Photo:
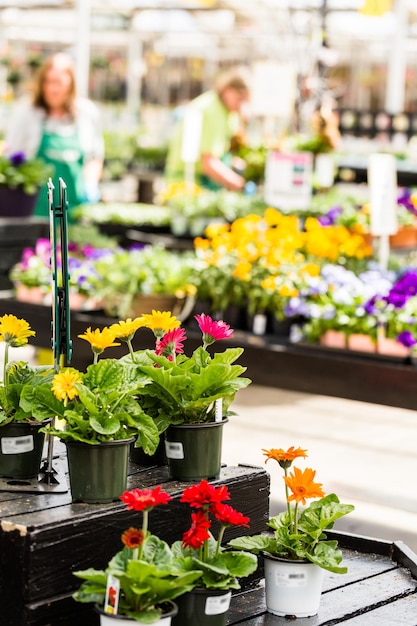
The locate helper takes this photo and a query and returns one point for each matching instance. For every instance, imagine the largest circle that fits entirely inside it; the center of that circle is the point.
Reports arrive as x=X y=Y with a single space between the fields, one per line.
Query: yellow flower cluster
x=178 y=189
x=276 y=241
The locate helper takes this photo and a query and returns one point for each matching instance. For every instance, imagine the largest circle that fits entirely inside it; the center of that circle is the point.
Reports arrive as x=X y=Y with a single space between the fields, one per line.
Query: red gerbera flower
x=204 y=494
x=198 y=533
x=133 y=537
x=171 y=343
x=144 y=499
x=228 y=516
x=212 y=331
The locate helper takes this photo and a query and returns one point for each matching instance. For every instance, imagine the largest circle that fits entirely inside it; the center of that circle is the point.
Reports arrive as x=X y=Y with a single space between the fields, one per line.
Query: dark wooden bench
x=379 y=589
x=44 y=537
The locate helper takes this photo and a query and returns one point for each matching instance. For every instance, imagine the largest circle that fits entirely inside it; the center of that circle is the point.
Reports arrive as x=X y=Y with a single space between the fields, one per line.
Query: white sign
x=289 y=180
x=174 y=450
x=191 y=136
x=17 y=445
x=382 y=184
x=274 y=89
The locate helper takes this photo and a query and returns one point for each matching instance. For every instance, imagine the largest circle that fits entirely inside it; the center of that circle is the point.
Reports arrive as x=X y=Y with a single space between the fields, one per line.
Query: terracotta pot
x=34 y=295
x=333 y=339
x=406 y=237
x=361 y=343
x=392 y=347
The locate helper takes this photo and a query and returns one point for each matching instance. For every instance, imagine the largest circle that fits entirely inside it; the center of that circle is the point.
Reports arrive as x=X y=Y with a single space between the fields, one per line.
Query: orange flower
x=133 y=537
x=302 y=485
x=284 y=457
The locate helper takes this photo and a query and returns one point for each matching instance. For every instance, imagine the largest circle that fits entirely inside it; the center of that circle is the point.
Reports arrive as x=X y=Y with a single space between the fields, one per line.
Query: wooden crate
x=44 y=537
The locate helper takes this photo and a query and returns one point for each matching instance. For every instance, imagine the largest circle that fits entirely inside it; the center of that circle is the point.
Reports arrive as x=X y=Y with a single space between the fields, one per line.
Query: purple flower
x=331 y=216
x=406 y=339
x=17 y=158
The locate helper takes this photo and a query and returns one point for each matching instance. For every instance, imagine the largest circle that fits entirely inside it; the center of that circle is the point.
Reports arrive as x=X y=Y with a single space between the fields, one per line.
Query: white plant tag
x=174 y=450
x=259 y=324
x=17 y=445
x=215 y=605
x=218 y=410
x=290 y=578
x=111 y=602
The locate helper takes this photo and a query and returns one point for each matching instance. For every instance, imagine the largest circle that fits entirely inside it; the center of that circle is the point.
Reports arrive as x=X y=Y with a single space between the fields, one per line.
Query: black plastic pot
x=16 y=203
x=194 y=451
x=203 y=607
x=21 y=447
x=138 y=456
x=98 y=473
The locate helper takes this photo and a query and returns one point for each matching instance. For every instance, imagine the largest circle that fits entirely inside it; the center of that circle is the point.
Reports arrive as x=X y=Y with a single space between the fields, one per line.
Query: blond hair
x=62 y=62
x=234 y=78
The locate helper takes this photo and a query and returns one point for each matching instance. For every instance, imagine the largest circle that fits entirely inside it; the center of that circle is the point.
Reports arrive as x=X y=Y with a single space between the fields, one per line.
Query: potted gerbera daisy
x=189 y=397
x=297 y=551
x=207 y=603
x=21 y=440
x=142 y=580
x=101 y=416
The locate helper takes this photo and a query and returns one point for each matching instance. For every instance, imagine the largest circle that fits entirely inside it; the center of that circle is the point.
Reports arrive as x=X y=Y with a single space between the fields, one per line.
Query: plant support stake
x=61 y=341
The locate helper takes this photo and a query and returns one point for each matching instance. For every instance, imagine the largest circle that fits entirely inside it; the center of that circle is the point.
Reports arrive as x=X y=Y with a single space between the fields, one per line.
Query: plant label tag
x=17 y=445
x=291 y=579
x=174 y=450
x=215 y=605
x=111 y=601
x=218 y=410
x=259 y=324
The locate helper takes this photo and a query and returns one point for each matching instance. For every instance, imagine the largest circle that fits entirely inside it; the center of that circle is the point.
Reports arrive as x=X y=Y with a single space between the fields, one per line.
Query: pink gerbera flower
x=212 y=331
x=171 y=343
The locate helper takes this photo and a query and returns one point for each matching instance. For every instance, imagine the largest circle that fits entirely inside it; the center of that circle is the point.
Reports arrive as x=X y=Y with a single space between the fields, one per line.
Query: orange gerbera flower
x=303 y=486
x=133 y=537
x=284 y=457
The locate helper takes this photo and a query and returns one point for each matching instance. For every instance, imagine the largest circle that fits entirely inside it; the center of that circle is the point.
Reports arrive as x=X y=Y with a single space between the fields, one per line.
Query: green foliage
x=23 y=380
x=106 y=408
x=27 y=174
x=220 y=569
x=145 y=582
x=308 y=542
x=185 y=390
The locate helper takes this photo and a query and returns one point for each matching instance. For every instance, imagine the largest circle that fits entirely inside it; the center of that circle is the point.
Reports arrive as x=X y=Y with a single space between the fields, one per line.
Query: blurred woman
x=61 y=129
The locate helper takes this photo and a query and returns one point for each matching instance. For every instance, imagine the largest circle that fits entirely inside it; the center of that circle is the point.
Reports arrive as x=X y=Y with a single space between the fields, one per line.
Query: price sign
x=289 y=180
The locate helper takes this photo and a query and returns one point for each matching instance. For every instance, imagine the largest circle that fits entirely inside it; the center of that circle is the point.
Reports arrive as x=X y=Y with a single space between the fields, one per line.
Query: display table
x=379 y=588
x=44 y=537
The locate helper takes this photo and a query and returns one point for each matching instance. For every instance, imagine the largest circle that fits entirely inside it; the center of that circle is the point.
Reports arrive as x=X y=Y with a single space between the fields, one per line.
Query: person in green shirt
x=215 y=120
x=62 y=129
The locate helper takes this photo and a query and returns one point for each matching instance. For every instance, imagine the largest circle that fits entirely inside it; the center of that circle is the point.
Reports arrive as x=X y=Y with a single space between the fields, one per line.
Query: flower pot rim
x=213 y=591
x=22 y=423
x=115 y=442
x=283 y=559
x=200 y=424
x=171 y=612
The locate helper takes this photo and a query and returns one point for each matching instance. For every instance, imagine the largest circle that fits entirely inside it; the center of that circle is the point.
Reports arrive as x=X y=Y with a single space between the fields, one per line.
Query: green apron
x=63 y=151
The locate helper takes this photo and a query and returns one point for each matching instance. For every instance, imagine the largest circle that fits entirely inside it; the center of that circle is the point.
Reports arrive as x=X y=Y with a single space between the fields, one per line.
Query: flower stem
x=132 y=354
x=145 y=520
x=220 y=539
x=287 y=495
x=5 y=377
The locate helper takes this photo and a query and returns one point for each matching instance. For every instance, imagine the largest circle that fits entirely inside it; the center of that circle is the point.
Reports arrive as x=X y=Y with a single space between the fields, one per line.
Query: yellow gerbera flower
x=160 y=322
x=14 y=331
x=63 y=384
x=99 y=340
x=302 y=485
x=125 y=329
